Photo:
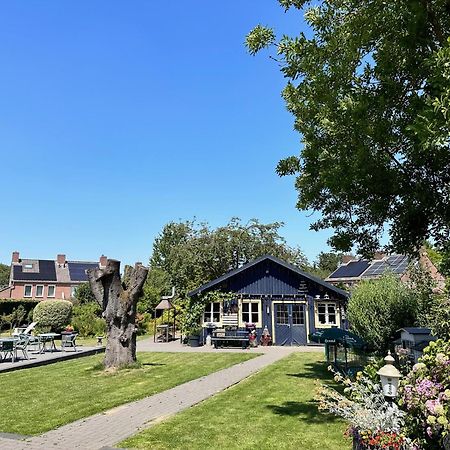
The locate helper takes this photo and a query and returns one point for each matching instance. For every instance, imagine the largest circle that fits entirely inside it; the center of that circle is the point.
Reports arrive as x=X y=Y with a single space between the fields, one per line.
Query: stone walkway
x=105 y=430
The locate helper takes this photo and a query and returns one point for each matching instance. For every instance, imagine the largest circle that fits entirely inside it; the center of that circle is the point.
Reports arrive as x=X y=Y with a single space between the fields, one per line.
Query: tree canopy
x=369 y=89
x=188 y=254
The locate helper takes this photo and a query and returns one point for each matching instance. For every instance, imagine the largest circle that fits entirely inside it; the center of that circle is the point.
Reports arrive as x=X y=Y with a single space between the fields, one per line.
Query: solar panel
x=47 y=272
x=77 y=271
x=352 y=269
x=377 y=268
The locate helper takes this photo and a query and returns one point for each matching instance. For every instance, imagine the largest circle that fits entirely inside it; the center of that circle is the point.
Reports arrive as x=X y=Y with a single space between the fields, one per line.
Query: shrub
x=378 y=308
x=52 y=315
x=84 y=294
x=87 y=321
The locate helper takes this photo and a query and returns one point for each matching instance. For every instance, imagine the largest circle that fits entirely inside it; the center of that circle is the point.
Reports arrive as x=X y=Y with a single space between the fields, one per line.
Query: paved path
x=108 y=428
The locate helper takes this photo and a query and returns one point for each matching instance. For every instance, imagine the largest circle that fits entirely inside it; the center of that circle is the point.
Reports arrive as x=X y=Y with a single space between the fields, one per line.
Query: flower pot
x=194 y=341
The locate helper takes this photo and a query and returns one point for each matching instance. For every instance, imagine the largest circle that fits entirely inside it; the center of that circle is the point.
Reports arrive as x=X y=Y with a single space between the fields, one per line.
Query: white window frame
x=327 y=313
x=48 y=291
x=36 y=291
x=31 y=290
x=208 y=314
x=72 y=291
x=255 y=301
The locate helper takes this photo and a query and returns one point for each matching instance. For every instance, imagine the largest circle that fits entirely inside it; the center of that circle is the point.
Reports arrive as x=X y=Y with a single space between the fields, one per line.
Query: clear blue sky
x=117 y=117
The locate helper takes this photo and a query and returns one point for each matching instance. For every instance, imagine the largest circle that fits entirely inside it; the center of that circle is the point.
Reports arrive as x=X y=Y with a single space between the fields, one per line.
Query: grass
x=272 y=409
x=43 y=398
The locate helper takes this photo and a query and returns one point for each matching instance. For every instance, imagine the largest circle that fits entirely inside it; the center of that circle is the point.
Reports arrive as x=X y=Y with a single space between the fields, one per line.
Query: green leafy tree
x=192 y=253
x=326 y=263
x=369 y=88
x=4 y=275
x=378 y=308
x=84 y=294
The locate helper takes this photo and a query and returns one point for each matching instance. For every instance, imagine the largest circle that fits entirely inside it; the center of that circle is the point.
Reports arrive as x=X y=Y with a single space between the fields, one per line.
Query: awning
x=337 y=336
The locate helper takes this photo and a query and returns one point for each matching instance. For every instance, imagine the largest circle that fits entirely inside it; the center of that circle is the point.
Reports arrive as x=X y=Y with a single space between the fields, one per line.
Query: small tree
x=377 y=308
x=84 y=294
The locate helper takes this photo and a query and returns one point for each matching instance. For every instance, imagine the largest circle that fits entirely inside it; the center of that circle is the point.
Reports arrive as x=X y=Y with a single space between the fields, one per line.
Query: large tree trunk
x=119 y=309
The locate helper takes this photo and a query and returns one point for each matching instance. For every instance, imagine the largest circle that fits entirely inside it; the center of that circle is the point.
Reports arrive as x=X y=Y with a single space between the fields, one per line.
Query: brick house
x=43 y=279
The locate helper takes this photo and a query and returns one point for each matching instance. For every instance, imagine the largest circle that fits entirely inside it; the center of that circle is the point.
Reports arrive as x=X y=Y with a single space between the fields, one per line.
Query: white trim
x=48 y=290
x=288 y=301
x=210 y=313
x=327 y=323
x=36 y=291
x=240 y=311
x=31 y=291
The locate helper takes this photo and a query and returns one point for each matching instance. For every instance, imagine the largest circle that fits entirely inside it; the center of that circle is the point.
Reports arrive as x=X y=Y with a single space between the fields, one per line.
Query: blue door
x=290 y=323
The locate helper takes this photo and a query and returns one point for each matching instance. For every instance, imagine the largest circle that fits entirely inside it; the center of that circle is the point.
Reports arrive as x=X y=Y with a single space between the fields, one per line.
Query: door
x=290 y=323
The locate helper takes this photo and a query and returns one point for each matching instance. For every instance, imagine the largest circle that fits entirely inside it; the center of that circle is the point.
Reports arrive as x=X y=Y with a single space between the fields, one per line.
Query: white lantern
x=390 y=377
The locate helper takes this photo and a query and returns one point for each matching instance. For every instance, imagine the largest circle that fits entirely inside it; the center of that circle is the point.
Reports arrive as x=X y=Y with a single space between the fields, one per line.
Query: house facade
x=43 y=279
x=271 y=293
x=412 y=341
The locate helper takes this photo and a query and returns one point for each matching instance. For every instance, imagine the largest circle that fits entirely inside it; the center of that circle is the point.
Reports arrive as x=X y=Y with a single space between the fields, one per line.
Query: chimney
x=103 y=261
x=15 y=257
x=379 y=255
x=347 y=258
x=61 y=259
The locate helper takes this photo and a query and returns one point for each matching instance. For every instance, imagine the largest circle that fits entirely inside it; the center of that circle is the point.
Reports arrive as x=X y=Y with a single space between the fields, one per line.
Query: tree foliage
x=188 y=254
x=4 y=275
x=84 y=294
x=370 y=93
x=326 y=263
x=378 y=308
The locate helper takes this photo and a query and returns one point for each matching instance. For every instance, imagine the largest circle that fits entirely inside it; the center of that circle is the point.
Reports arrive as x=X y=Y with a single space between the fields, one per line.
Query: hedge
x=7 y=306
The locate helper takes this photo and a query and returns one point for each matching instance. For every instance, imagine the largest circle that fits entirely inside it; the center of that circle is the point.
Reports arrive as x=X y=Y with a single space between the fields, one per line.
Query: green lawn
x=273 y=409
x=40 y=399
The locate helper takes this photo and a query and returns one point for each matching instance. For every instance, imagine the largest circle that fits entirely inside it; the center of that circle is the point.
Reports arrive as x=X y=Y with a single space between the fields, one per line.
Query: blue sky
x=117 y=117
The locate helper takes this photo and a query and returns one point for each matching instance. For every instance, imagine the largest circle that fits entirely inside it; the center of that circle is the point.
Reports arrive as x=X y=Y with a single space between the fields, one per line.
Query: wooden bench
x=222 y=338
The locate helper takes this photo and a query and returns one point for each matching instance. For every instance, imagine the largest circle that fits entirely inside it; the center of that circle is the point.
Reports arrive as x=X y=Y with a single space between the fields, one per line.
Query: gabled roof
x=416 y=330
x=275 y=260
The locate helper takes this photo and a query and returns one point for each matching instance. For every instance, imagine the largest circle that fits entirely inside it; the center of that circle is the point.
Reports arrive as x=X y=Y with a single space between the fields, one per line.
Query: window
x=327 y=313
x=73 y=290
x=28 y=290
x=212 y=312
x=282 y=314
x=39 y=290
x=250 y=312
x=51 y=291
x=28 y=266
x=298 y=315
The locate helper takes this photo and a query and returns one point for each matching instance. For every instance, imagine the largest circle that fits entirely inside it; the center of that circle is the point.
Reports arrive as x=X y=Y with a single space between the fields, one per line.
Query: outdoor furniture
x=24 y=330
x=221 y=338
x=68 y=340
x=7 y=347
x=47 y=338
x=162 y=334
x=22 y=344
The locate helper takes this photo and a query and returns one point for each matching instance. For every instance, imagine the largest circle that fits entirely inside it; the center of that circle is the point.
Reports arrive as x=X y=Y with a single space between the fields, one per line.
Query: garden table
x=45 y=338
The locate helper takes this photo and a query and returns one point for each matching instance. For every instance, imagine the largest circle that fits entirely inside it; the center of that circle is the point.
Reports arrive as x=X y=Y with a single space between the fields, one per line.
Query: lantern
x=390 y=377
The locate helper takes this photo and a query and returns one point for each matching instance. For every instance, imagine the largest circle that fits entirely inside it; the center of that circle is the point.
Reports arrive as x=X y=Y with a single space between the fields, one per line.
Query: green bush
x=87 y=321
x=52 y=315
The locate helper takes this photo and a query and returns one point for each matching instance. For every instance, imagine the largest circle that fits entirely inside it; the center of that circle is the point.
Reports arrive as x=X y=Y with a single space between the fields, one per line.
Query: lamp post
x=390 y=377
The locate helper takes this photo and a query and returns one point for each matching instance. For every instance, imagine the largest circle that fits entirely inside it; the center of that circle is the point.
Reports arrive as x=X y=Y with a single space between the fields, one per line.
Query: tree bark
x=119 y=309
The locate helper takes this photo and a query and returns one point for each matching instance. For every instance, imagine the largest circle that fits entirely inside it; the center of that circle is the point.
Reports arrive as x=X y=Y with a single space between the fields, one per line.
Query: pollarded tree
x=118 y=301
x=369 y=89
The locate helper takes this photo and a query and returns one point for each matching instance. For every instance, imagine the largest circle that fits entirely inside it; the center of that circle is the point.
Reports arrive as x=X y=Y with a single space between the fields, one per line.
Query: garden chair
x=22 y=344
x=68 y=340
x=21 y=330
x=7 y=348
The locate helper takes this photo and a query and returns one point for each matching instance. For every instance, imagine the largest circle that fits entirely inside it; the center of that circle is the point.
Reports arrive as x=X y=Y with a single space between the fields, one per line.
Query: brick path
x=108 y=428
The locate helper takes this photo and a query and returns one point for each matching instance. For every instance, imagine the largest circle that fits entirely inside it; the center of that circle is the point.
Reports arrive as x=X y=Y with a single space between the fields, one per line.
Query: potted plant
x=194 y=335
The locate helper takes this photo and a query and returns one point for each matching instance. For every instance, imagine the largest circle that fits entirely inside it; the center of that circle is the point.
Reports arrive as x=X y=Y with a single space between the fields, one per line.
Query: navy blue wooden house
x=275 y=294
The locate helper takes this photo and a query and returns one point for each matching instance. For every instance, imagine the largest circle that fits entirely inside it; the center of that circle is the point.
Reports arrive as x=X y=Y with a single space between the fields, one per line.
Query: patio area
x=37 y=358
